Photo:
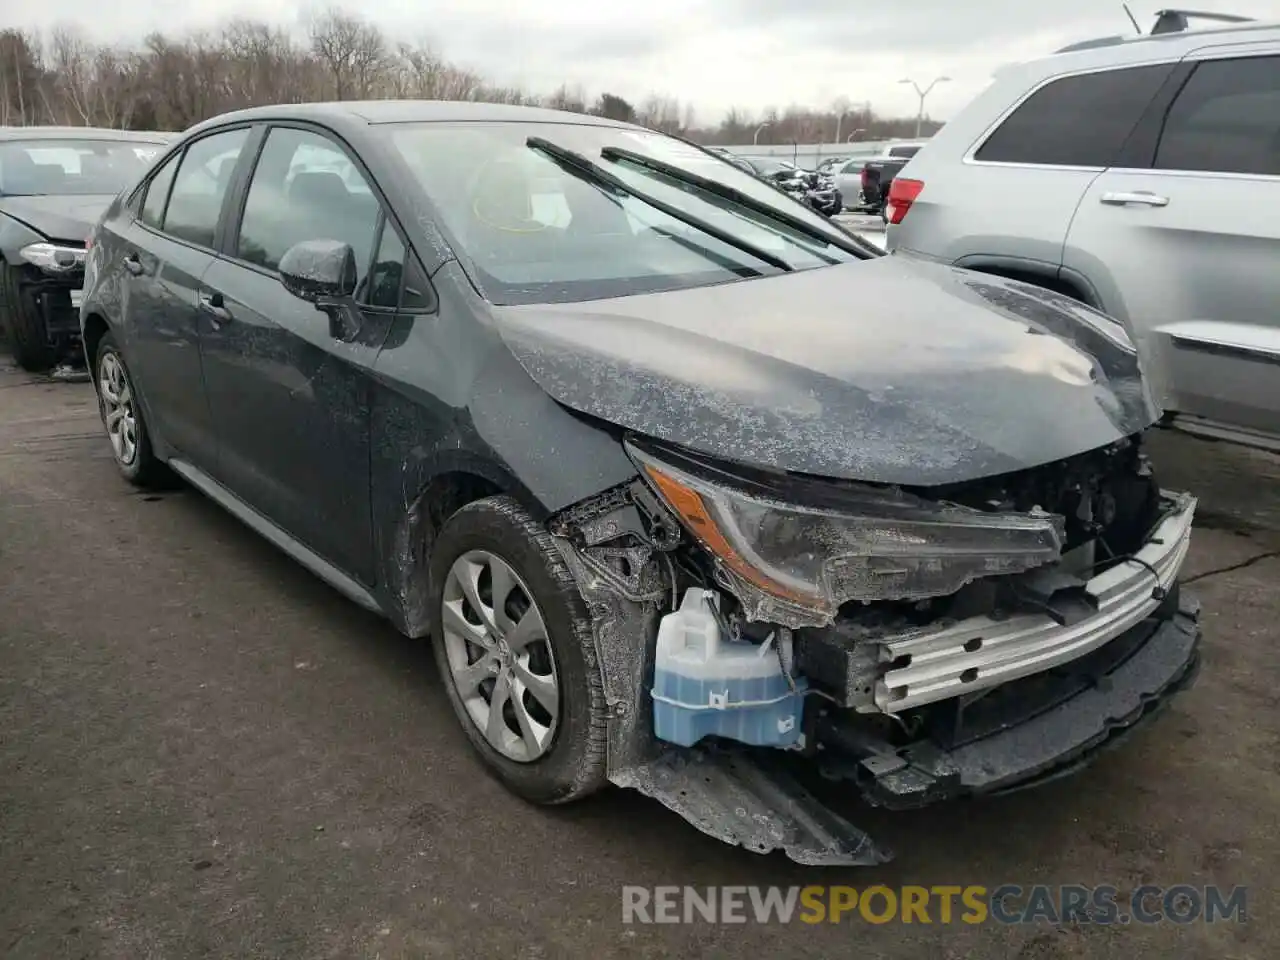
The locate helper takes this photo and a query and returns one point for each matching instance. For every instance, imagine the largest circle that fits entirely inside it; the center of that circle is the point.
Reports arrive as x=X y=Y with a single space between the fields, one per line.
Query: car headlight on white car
x=54 y=257
x=797 y=564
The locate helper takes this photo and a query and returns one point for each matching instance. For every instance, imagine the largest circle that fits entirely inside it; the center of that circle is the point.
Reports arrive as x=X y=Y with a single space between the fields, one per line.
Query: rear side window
x=1226 y=119
x=158 y=193
x=204 y=176
x=1079 y=121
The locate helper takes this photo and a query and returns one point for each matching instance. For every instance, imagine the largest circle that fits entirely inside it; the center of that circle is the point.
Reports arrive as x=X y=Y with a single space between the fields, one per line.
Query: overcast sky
x=715 y=54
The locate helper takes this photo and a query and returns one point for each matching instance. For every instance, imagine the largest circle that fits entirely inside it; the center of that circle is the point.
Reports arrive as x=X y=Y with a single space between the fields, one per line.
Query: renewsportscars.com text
x=973 y=904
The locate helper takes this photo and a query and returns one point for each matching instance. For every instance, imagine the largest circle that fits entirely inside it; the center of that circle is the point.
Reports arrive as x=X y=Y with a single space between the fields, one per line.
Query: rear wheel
x=28 y=337
x=514 y=645
x=122 y=416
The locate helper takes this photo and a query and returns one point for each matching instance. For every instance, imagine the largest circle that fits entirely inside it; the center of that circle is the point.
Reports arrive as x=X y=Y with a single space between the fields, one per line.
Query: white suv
x=1142 y=177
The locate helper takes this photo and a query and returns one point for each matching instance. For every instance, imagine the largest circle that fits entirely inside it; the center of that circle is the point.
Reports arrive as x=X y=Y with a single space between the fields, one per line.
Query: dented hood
x=894 y=370
x=57 y=217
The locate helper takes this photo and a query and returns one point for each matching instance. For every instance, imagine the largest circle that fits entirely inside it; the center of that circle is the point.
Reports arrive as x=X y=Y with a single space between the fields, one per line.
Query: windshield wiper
x=583 y=168
x=734 y=195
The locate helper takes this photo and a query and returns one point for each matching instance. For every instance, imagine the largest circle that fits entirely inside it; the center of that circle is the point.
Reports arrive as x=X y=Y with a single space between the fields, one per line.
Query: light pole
x=854 y=134
x=922 y=94
x=756 y=139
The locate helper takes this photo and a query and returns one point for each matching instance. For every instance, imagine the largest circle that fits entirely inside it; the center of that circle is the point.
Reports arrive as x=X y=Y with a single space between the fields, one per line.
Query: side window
x=306 y=188
x=1226 y=119
x=157 y=193
x=1079 y=121
x=395 y=280
x=204 y=176
x=387 y=271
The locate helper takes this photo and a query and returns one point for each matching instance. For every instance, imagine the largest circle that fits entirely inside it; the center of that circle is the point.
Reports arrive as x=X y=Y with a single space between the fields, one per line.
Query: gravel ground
x=205 y=752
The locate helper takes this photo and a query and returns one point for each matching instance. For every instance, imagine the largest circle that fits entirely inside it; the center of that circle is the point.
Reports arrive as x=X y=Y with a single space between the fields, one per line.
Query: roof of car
x=1121 y=51
x=83 y=133
x=1228 y=33
x=414 y=111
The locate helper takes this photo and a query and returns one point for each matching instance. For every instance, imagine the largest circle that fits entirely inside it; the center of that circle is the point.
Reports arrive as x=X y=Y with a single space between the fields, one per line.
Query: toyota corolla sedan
x=693 y=491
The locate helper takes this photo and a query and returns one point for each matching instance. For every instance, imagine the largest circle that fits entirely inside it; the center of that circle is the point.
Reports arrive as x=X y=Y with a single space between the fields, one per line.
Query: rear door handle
x=133 y=264
x=1143 y=197
x=214 y=305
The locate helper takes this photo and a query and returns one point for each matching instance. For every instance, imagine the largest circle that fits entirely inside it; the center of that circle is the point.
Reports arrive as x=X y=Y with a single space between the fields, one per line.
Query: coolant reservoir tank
x=706 y=684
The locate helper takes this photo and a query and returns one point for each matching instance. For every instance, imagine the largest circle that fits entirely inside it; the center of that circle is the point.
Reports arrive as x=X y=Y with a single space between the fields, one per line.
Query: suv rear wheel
x=515 y=649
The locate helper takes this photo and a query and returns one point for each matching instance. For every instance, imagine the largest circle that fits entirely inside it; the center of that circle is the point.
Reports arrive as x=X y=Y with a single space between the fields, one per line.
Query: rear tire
x=28 y=337
x=123 y=419
x=544 y=757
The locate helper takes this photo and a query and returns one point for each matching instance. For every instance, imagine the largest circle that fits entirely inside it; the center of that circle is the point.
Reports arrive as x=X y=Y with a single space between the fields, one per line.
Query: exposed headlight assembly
x=796 y=564
x=53 y=257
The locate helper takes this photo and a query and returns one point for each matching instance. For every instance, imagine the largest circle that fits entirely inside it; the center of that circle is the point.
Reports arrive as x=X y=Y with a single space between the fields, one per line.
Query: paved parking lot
x=204 y=751
x=870 y=227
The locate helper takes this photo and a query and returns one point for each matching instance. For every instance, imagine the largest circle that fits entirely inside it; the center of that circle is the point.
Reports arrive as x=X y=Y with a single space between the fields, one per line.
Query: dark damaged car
x=54 y=184
x=694 y=491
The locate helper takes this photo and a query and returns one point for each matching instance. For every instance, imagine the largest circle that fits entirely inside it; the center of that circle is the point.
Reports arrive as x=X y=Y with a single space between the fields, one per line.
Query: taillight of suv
x=902 y=193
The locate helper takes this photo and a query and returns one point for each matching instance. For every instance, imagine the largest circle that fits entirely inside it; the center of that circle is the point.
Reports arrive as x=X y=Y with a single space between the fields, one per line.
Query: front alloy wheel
x=516 y=651
x=500 y=661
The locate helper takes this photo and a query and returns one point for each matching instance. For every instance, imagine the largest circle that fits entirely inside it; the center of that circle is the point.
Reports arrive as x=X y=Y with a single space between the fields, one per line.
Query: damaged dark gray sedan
x=694 y=491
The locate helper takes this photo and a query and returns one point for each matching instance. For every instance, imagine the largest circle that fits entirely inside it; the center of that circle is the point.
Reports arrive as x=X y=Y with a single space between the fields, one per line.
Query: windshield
x=530 y=231
x=900 y=152
x=72 y=167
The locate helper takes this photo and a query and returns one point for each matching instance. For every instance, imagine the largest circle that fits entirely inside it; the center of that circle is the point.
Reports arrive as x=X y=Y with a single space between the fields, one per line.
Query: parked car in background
x=610 y=421
x=54 y=184
x=864 y=181
x=740 y=163
x=1140 y=176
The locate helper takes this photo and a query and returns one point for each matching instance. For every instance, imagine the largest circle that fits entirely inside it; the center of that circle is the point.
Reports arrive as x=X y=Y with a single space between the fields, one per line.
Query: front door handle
x=214 y=305
x=1143 y=197
x=133 y=264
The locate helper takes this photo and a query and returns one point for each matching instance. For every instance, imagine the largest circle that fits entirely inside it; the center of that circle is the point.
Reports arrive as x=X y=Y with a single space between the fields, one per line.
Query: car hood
x=58 y=218
x=895 y=370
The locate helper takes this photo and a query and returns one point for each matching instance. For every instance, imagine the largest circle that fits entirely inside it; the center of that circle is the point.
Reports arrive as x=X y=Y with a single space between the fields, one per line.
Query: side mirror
x=319 y=270
x=323 y=272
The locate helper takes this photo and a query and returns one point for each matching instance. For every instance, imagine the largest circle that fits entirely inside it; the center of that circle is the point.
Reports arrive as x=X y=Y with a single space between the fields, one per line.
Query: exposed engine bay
x=916 y=644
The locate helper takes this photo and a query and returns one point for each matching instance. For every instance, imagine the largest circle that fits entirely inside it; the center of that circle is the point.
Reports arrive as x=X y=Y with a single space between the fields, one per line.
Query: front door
x=291 y=404
x=1186 y=251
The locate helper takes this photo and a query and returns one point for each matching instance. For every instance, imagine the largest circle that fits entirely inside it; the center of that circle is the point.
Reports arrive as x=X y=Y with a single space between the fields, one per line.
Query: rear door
x=1184 y=242
x=1011 y=195
x=161 y=256
x=292 y=404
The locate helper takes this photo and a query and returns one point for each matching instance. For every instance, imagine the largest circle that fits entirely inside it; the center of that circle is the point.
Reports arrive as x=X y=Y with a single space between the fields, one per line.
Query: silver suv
x=1141 y=176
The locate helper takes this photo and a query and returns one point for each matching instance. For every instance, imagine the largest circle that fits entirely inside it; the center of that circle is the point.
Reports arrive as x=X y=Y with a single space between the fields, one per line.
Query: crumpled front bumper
x=980 y=652
x=1058 y=694
x=1099 y=700
x=55 y=299
x=754 y=798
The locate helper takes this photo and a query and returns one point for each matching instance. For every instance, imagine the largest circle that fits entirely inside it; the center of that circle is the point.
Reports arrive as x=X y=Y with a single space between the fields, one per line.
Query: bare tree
x=173 y=81
x=352 y=50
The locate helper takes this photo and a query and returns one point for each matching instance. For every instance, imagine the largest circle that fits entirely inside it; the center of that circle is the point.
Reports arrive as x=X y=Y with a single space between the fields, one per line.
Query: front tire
x=122 y=417
x=516 y=653
x=28 y=336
